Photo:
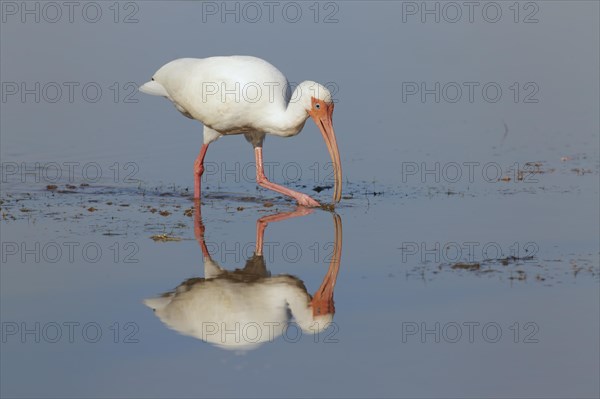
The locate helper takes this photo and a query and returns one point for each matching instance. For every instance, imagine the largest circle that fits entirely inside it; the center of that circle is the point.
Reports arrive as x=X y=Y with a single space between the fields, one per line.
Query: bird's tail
x=158 y=303
x=153 y=88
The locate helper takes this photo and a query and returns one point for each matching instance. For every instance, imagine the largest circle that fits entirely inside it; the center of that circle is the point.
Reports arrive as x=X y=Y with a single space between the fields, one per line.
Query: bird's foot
x=301 y=211
x=306 y=200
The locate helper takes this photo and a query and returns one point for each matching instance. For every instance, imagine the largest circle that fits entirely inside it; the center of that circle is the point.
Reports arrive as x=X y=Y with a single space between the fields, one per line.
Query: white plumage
x=253 y=312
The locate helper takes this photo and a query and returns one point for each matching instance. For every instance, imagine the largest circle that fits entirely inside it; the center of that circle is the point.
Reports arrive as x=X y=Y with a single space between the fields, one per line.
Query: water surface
x=469 y=230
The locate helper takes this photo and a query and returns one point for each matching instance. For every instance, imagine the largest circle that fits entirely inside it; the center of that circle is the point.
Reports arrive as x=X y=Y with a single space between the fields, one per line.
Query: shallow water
x=469 y=231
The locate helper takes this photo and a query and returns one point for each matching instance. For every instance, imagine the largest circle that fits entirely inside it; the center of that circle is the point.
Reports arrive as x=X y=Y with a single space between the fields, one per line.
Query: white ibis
x=243 y=308
x=246 y=95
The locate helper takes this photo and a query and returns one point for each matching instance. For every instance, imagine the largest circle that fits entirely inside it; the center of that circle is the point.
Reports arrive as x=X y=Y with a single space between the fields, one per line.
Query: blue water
x=427 y=196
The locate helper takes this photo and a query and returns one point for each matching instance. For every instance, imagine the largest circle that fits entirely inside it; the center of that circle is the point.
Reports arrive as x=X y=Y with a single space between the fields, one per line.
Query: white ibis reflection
x=244 y=308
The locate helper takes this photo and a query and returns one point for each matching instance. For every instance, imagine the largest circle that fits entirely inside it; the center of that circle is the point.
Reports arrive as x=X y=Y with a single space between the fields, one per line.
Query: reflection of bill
x=244 y=308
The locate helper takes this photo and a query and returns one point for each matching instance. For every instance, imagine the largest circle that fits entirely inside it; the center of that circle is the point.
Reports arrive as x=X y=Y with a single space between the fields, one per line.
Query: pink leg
x=198 y=170
x=263 y=222
x=262 y=181
x=199 y=229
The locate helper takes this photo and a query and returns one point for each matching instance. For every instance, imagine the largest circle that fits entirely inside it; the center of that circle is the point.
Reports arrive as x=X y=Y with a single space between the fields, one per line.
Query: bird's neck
x=289 y=119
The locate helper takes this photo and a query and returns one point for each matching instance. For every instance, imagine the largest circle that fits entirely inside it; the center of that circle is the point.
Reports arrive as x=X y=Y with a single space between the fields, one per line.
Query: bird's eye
x=317 y=106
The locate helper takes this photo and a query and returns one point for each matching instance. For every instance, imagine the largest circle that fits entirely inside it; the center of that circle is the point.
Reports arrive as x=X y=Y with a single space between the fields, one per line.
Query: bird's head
x=318 y=102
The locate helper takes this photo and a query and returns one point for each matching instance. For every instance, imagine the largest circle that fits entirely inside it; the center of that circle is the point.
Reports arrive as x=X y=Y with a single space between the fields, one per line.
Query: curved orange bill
x=323 y=119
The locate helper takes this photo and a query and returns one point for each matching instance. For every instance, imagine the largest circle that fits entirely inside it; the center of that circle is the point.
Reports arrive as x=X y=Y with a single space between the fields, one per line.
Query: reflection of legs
x=199 y=170
x=263 y=222
x=211 y=268
x=199 y=228
x=322 y=302
x=262 y=181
